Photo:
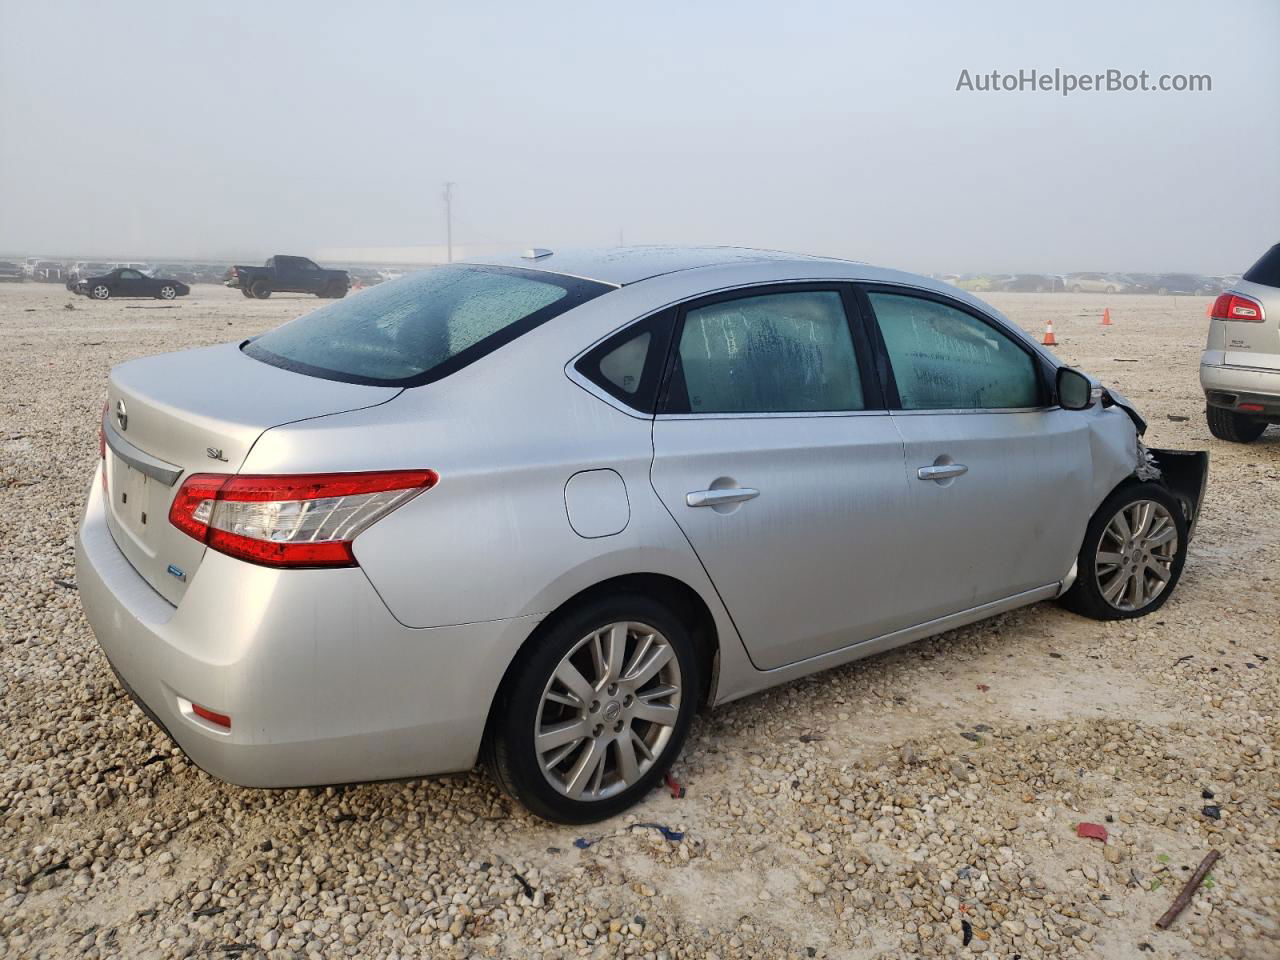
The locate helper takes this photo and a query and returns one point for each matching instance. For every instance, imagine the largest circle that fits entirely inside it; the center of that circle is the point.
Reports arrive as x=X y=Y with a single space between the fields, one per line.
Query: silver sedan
x=539 y=511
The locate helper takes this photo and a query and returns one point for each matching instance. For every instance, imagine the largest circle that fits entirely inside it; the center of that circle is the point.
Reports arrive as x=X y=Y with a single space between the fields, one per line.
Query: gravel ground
x=895 y=807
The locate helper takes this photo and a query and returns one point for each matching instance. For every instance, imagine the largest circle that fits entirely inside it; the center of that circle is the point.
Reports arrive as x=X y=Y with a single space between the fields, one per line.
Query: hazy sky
x=136 y=129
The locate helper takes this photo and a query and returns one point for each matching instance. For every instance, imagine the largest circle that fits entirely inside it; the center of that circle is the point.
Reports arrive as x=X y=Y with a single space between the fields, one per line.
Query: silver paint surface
x=389 y=669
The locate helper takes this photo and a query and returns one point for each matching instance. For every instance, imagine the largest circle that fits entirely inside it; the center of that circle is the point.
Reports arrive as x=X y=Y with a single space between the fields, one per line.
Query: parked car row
x=70 y=272
x=1188 y=284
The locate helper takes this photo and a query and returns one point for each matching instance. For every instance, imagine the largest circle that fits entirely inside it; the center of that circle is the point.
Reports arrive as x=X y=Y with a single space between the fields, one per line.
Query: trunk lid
x=198 y=411
x=1252 y=344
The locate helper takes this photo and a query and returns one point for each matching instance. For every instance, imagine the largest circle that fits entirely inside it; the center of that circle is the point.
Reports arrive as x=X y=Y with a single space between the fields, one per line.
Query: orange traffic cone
x=1106 y=317
x=1049 y=339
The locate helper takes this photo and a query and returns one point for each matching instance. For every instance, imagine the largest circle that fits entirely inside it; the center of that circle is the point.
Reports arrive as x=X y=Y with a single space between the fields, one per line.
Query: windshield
x=421 y=327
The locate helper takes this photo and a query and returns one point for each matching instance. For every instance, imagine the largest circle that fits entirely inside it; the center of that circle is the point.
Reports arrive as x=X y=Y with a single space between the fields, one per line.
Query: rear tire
x=1235 y=427
x=247 y=292
x=604 y=720
x=1144 y=566
x=261 y=289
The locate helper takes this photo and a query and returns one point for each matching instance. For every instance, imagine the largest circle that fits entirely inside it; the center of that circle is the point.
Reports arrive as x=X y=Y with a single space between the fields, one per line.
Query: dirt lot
x=895 y=807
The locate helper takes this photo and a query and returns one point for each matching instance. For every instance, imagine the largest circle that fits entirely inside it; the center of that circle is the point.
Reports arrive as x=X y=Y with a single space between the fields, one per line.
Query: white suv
x=1240 y=367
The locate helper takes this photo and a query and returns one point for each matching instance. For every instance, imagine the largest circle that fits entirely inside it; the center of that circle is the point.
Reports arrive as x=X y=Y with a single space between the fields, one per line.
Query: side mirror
x=1075 y=390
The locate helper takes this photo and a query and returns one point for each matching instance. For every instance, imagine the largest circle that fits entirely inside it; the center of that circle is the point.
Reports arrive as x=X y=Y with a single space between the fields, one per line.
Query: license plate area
x=132 y=493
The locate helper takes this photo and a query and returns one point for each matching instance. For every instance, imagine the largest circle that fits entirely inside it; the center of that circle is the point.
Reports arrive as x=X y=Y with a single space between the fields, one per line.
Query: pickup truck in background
x=283 y=274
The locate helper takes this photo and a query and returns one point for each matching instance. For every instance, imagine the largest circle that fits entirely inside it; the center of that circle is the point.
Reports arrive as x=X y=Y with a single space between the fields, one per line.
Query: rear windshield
x=421 y=327
x=1267 y=270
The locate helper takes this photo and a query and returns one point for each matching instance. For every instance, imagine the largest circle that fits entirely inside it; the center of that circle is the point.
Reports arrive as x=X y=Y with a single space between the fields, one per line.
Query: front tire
x=1235 y=427
x=1132 y=556
x=101 y=292
x=595 y=709
x=168 y=292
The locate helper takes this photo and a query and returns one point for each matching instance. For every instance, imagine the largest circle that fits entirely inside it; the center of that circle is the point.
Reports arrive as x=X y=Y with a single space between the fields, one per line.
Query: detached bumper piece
x=1185 y=473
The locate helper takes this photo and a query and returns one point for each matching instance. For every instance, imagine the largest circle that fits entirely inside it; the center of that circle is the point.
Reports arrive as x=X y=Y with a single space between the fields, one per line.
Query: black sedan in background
x=130 y=283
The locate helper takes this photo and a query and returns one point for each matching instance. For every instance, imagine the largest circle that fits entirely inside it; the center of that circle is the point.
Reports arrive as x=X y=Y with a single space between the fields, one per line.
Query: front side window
x=946 y=359
x=785 y=352
x=130 y=275
x=423 y=326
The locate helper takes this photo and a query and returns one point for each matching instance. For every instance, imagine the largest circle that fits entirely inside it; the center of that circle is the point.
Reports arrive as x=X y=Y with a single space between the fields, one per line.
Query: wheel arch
x=683 y=600
x=1183 y=473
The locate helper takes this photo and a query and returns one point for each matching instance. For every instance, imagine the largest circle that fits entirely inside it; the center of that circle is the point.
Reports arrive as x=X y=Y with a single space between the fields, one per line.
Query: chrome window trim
x=143 y=462
x=916 y=413
x=578 y=379
x=571 y=368
x=783 y=415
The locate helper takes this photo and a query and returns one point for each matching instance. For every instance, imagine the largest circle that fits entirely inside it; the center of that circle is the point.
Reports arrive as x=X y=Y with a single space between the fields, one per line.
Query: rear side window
x=628 y=365
x=422 y=327
x=773 y=353
x=946 y=359
x=1267 y=270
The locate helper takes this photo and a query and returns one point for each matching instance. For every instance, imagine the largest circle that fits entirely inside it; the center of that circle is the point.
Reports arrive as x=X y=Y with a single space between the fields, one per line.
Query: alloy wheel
x=168 y=293
x=609 y=710
x=1135 y=556
x=101 y=292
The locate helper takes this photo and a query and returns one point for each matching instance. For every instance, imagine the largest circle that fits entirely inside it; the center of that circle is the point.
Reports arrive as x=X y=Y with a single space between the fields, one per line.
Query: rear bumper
x=1229 y=386
x=321 y=683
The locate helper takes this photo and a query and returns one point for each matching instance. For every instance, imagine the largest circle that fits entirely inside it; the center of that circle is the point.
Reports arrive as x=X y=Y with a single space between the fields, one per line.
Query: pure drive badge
x=177 y=572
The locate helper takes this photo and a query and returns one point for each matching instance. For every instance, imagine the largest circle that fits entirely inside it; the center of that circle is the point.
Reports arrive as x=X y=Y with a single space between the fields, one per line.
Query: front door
x=998 y=477
x=129 y=284
x=774 y=454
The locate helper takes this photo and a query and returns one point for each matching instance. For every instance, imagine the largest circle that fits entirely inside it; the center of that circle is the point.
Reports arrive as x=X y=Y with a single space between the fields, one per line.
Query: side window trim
x=874 y=395
x=894 y=400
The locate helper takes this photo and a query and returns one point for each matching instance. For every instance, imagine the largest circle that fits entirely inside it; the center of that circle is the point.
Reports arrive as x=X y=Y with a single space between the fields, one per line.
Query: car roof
x=620 y=266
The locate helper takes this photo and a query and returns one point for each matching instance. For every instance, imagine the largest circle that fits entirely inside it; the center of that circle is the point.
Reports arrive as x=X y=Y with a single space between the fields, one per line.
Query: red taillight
x=1250 y=407
x=304 y=520
x=1238 y=308
x=220 y=719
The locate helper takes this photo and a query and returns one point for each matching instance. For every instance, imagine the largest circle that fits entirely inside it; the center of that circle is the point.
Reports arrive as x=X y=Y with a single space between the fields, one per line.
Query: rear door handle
x=712 y=498
x=942 y=471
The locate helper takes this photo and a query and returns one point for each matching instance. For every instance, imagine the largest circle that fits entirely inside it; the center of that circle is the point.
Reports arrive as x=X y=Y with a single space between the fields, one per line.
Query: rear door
x=998 y=476
x=775 y=455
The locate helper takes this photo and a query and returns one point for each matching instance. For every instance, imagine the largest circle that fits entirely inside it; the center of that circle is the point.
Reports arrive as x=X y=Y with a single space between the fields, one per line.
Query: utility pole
x=448 y=219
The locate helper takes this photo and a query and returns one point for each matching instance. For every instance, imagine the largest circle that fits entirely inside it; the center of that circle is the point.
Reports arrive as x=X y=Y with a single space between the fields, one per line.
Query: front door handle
x=942 y=471
x=714 y=498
